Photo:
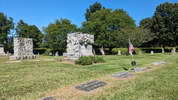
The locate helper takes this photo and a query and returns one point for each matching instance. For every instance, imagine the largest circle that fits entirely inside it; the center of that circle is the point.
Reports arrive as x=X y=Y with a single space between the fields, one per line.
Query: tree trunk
x=110 y=50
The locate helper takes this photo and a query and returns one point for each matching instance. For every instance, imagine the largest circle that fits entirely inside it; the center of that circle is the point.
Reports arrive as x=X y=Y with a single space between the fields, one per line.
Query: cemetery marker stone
x=122 y=75
x=91 y=85
x=23 y=49
x=49 y=98
x=78 y=44
x=162 y=50
x=173 y=51
x=2 y=53
x=152 y=52
x=119 y=52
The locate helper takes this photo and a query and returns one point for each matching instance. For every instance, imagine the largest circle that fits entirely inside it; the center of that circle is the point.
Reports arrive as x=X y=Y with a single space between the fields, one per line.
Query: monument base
x=3 y=55
x=22 y=57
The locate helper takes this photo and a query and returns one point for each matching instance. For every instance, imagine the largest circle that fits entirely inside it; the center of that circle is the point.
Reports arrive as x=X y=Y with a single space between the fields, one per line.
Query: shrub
x=97 y=59
x=88 y=60
x=84 y=60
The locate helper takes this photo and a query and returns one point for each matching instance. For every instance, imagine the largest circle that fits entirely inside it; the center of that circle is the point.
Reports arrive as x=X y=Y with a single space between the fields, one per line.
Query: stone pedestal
x=78 y=44
x=2 y=53
x=23 y=49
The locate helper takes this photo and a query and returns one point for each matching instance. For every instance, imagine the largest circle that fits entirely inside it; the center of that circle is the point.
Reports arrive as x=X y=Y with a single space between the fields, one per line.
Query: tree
x=92 y=9
x=29 y=31
x=106 y=24
x=164 y=24
x=6 y=25
x=56 y=34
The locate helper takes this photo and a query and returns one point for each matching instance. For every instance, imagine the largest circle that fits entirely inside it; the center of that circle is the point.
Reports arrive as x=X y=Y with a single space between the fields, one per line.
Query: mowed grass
x=30 y=80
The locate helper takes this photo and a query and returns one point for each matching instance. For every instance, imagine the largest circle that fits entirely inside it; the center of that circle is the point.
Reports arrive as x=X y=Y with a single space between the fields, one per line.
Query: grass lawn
x=31 y=80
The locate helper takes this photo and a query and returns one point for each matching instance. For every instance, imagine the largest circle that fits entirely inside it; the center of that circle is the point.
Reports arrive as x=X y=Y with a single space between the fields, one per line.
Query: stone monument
x=119 y=52
x=173 y=51
x=2 y=53
x=163 y=50
x=78 y=44
x=23 y=49
x=152 y=52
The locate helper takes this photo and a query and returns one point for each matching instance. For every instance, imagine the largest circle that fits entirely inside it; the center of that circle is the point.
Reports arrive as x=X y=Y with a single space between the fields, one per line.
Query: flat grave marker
x=49 y=98
x=91 y=86
x=159 y=63
x=122 y=75
x=137 y=69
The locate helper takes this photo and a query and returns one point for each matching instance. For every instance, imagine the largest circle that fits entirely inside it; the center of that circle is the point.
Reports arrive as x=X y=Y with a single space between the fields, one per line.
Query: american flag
x=131 y=48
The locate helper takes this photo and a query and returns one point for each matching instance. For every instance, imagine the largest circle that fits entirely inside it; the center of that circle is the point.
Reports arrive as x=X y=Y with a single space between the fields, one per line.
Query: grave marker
x=49 y=98
x=137 y=69
x=122 y=75
x=91 y=85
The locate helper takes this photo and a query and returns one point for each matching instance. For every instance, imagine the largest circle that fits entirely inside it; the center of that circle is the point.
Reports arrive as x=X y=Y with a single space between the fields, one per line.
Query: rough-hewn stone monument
x=2 y=53
x=23 y=49
x=78 y=44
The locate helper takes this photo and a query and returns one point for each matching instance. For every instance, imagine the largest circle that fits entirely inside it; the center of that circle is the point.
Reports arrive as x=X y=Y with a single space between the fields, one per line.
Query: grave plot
x=138 y=69
x=91 y=85
x=122 y=75
x=159 y=63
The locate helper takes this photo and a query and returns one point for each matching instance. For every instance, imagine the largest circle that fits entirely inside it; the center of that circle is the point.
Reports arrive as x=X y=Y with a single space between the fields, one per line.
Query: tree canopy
x=92 y=9
x=29 y=31
x=6 y=24
x=164 y=23
x=56 y=33
x=105 y=24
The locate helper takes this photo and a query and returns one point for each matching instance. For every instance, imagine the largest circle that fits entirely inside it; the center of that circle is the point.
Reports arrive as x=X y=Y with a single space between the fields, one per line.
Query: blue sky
x=42 y=12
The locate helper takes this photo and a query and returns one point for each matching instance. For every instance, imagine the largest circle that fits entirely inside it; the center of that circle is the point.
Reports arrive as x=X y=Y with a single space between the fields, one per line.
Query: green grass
x=29 y=80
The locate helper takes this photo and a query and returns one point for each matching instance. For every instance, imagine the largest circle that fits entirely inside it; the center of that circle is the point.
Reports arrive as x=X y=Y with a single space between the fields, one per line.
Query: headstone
x=152 y=52
x=79 y=44
x=38 y=53
x=119 y=52
x=2 y=53
x=122 y=75
x=162 y=50
x=50 y=54
x=140 y=52
x=173 y=51
x=91 y=85
x=56 y=54
x=102 y=51
x=23 y=49
x=49 y=98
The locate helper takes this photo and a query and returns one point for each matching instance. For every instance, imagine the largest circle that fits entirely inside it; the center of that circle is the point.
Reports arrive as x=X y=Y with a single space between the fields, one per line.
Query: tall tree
x=93 y=8
x=6 y=24
x=29 y=31
x=164 y=24
x=56 y=34
x=105 y=24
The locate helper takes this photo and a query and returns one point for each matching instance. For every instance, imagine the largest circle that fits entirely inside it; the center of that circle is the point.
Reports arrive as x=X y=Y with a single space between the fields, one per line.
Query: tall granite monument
x=78 y=44
x=23 y=49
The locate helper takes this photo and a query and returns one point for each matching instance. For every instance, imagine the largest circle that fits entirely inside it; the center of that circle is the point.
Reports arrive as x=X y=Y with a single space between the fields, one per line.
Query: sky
x=42 y=12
